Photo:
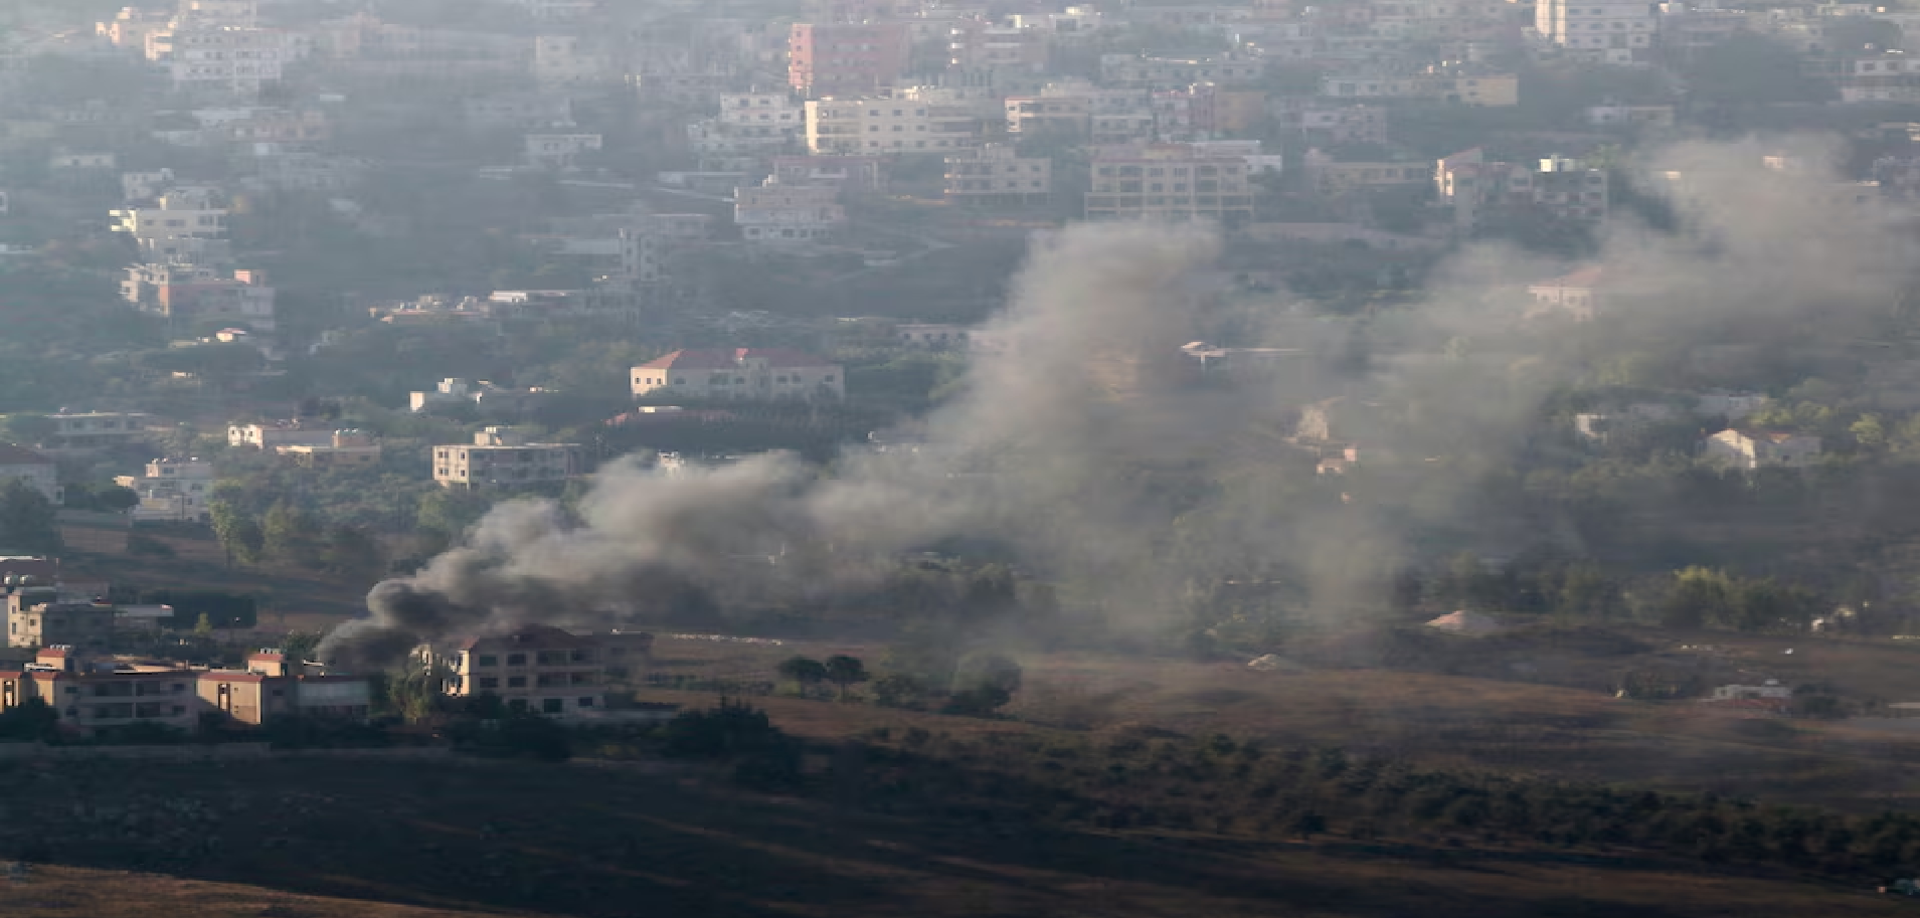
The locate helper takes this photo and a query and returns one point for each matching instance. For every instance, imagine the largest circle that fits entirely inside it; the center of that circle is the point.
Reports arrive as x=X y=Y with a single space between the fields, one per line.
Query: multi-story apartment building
x=78 y=430
x=1169 y=182
x=275 y=434
x=860 y=174
x=39 y=616
x=996 y=174
x=94 y=695
x=889 y=123
x=1607 y=31
x=772 y=212
x=1472 y=188
x=1331 y=178
x=1462 y=85
x=172 y=229
x=199 y=293
x=349 y=449
x=1069 y=109
x=500 y=456
x=91 y=701
x=777 y=111
x=224 y=59
x=841 y=59
x=542 y=669
x=1324 y=123
x=746 y=373
x=130 y=27
x=978 y=44
x=171 y=490
x=1173 y=73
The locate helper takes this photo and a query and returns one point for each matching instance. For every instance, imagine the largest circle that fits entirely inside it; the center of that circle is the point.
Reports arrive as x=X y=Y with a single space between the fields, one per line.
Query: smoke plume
x=1084 y=443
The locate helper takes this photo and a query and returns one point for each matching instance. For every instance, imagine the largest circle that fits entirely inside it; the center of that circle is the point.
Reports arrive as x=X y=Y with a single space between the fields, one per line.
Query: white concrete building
x=275 y=434
x=81 y=430
x=500 y=456
x=171 y=490
x=996 y=174
x=742 y=373
x=1607 y=31
x=169 y=231
x=889 y=124
x=226 y=59
x=775 y=213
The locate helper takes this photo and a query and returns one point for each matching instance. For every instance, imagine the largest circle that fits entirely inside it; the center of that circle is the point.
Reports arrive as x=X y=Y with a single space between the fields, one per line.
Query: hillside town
x=1175 y=456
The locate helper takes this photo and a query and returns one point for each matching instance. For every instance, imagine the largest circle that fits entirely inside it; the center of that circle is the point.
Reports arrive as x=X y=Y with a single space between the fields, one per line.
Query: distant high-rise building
x=846 y=59
x=1610 y=31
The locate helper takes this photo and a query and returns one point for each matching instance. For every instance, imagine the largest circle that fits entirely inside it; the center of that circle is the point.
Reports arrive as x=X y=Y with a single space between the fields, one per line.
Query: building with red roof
x=758 y=373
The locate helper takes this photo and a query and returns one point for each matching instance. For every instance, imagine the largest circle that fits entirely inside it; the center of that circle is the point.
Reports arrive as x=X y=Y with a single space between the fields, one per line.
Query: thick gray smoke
x=1079 y=437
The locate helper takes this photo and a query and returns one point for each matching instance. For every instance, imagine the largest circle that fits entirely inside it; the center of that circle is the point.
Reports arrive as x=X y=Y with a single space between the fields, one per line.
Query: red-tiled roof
x=15 y=454
x=692 y=360
x=218 y=675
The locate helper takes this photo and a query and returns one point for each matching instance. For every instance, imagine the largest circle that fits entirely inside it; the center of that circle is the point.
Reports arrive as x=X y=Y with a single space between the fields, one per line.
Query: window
x=552 y=705
x=487 y=659
x=516 y=659
x=586 y=702
x=516 y=682
x=489 y=682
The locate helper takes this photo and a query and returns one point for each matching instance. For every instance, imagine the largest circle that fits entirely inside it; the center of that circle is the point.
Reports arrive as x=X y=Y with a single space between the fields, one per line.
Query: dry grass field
x=1434 y=718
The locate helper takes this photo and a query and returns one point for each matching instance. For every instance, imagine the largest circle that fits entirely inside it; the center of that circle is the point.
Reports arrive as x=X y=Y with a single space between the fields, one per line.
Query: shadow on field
x=591 y=842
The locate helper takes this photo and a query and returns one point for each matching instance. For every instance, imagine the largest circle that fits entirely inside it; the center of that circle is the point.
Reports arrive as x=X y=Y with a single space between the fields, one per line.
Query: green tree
x=897 y=690
x=1869 y=432
x=116 y=499
x=804 y=672
x=298 y=646
x=845 y=671
x=449 y=514
x=29 y=522
x=353 y=551
x=238 y=532
x=204 y=627
x=286 y=534
x=1698 y=596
